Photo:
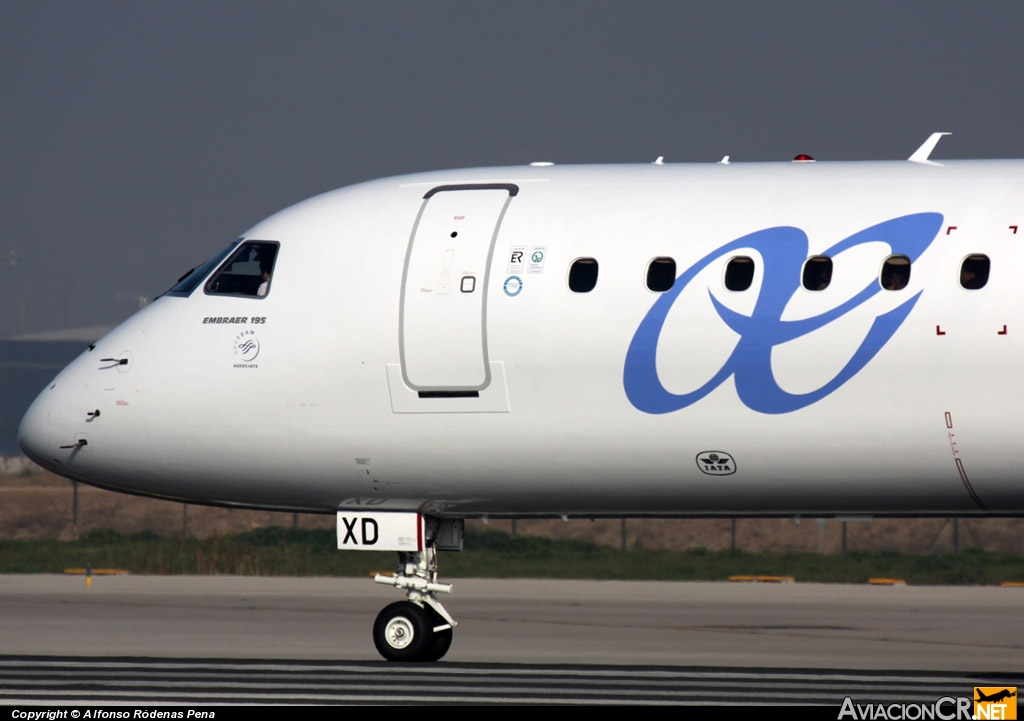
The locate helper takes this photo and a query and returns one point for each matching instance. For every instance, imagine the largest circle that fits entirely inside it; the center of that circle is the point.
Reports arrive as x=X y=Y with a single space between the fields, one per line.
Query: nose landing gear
x=419 y=628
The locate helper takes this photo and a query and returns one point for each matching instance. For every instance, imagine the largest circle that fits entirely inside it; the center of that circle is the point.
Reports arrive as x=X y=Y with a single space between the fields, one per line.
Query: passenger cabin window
x=895 y=272
x=739 y=273
x=661 y=274
x=817 y=272
x=248 y=272
x=583 y=275
x=974 y=271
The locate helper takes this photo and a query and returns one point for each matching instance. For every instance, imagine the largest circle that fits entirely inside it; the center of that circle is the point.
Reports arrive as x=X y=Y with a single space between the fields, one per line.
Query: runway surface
x=308 y=640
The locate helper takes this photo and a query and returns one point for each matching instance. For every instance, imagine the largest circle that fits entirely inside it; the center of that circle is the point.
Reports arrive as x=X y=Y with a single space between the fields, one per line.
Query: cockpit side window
x=191 y=280
x=248 y=272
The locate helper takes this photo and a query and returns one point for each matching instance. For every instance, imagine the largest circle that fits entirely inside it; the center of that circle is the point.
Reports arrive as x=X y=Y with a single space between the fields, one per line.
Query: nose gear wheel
x=419 y=628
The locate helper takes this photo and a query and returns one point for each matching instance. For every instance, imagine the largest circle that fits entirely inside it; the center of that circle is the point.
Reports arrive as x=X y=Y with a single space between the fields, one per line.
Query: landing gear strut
x=419 y=628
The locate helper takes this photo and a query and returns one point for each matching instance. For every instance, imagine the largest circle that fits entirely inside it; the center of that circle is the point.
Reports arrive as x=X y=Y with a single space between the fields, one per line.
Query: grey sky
x=137 y=139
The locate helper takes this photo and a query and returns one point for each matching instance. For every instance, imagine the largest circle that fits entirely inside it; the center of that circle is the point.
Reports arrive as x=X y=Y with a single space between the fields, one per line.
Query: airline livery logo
x=783 y=251
x=995 y=702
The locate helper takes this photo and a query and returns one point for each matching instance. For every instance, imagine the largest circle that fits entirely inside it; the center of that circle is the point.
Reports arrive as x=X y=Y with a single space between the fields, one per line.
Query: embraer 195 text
x=759 y=339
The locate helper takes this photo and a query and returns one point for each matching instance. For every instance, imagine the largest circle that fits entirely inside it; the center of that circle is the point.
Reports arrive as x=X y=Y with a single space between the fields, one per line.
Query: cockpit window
x=247 y=272
x=188 y=282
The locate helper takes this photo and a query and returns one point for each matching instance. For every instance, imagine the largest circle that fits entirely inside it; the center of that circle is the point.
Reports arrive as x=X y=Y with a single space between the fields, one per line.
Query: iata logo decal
x=783 y=251
x=716 y=463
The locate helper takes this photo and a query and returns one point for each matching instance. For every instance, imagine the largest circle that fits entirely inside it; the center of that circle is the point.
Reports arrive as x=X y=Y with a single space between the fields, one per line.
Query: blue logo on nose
x=783 y=251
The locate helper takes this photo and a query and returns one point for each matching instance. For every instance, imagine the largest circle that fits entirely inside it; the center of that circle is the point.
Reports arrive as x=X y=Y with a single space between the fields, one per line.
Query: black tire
x=404 y=631
x=440 y=645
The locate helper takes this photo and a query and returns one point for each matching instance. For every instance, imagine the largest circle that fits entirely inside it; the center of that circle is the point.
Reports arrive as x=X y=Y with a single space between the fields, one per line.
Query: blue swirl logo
x=783 y=251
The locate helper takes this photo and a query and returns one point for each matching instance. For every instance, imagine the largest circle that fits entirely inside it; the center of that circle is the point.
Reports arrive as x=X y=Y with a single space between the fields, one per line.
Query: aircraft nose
x=36 y=434
x=46 y=433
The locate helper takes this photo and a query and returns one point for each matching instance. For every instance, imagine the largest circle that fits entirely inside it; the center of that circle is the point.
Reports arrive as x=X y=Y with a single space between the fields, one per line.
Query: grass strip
x=494 y=554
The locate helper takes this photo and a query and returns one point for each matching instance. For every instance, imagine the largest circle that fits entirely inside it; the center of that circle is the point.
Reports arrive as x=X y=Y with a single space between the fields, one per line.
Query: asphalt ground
x=740 y=625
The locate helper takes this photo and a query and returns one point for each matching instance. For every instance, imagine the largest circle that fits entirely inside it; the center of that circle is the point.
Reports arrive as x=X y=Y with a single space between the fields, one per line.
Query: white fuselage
x=400 y=366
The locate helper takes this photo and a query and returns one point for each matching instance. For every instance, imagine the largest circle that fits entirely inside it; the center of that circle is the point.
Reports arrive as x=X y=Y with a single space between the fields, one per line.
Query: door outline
x=482 y=287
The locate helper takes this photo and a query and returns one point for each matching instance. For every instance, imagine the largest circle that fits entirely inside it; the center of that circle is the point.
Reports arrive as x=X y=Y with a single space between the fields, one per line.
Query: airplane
x=680 y=340
x=995 y=697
